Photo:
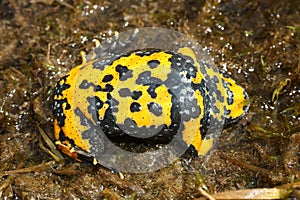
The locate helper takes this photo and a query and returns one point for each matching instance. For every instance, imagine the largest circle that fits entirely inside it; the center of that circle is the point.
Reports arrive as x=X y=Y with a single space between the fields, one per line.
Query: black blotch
x=108 y=96
x=230 y=97
x=151 y=90
x=136 y=95
x=96 y=101
x=108 y=88
x=229 y=92
x=155 y=108
x=135 y=107
x=107 y=78
x=191 y=151
x=153 y=63
x=207 y=106
x=124 y=72
x=121 y=69
x=68 y=106
x=180 y=64
x=58 y=110
x=95 y=104
x=227 y=112
x=62 y=137
x=61 y=87
x=97 y=88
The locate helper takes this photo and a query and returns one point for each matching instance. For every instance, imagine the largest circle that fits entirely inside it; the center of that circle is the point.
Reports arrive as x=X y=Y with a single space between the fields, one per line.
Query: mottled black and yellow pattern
x=142 y=92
